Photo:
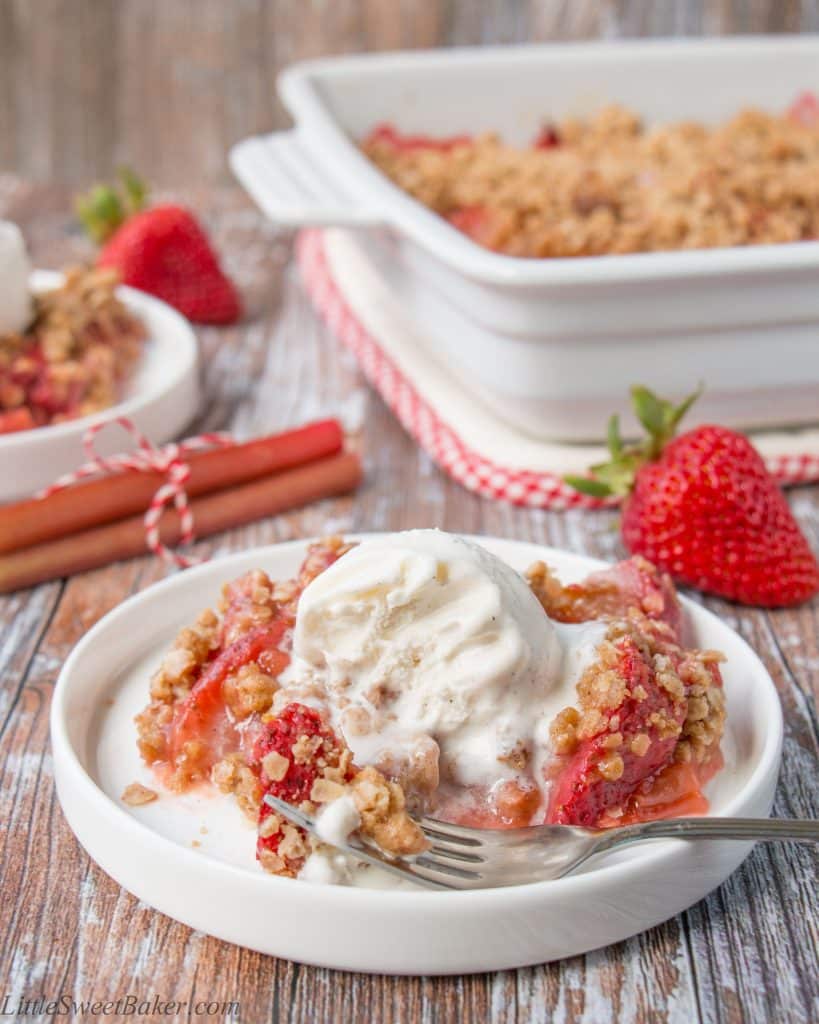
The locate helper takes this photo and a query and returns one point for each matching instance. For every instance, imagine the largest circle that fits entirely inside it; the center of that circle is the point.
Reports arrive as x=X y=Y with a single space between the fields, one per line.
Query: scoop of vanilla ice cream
x=425 y=634
x=15 y=296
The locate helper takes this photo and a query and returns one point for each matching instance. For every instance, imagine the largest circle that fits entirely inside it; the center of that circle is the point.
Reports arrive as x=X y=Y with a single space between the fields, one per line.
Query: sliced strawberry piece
x=547 y=138
x=633 y=741
x=675 y=792
x=388 y=135
x=805 y=110
x=16 y=419
x=484 y=225
x=297 y=747
x=202 y=717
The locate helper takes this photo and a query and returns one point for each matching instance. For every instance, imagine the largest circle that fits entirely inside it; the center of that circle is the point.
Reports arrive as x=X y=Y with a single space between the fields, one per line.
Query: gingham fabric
x=438 y=438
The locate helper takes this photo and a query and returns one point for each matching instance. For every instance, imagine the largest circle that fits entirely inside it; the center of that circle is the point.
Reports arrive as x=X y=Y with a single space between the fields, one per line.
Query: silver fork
x=472 y=858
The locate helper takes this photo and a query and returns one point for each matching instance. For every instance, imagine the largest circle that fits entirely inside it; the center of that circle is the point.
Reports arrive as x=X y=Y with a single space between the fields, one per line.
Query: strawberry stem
x=103 y=209
x=660 y=419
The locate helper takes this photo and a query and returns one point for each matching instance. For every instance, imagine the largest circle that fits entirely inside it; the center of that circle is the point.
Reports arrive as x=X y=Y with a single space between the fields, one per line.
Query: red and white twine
x=169 y=460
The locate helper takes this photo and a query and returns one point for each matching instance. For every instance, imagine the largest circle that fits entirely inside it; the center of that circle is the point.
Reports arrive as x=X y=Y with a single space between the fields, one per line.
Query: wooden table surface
x=747 y=953
x=168 y=86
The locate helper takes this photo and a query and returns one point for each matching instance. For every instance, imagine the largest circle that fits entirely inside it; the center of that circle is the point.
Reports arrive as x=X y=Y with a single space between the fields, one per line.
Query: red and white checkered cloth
x=477 y=472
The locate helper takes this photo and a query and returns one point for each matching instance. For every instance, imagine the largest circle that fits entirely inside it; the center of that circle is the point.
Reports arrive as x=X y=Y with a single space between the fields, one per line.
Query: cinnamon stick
x=124 y=494
x=212 y=513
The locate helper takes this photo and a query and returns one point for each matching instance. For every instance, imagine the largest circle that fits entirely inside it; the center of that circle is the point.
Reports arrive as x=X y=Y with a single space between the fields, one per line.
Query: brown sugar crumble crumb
x=233 y=775
x=135 y=795
x=384 y=817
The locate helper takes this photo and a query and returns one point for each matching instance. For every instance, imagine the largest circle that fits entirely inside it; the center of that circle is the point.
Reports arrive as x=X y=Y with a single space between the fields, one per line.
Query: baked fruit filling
x=357 y=700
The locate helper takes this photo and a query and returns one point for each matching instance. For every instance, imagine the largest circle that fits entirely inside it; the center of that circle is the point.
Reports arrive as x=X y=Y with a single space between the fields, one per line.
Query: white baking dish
x=553 y=344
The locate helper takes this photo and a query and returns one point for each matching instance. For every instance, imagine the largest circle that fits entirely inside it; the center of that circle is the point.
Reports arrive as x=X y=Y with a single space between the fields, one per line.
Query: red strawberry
x=162 y=251
x=704 y=508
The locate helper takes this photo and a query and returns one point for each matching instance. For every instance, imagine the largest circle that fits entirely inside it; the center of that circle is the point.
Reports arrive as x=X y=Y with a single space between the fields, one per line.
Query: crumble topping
x=233 y=775
x=249 y=691
x=384 y=817
x=191 y=649
x=607 y=184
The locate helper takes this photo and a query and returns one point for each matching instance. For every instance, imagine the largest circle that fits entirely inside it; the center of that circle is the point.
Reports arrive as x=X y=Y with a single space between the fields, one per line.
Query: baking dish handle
x=291 y=186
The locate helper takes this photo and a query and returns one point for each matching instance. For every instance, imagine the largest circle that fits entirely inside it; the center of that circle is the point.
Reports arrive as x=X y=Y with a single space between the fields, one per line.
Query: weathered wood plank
x=169 y=85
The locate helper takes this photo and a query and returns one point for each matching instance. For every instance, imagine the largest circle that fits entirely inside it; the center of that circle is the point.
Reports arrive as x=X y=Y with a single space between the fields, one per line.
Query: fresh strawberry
x=296 y=726
x=704 y=508
x=162 y=250
x=634 y=740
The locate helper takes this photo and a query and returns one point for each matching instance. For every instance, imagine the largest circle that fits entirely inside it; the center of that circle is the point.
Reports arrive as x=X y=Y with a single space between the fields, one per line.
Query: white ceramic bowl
x=550 y=343
x=219 y=889
x=161 y=398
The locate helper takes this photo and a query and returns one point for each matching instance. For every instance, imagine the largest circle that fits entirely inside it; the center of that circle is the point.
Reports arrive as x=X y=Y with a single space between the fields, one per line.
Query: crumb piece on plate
x=135 y=795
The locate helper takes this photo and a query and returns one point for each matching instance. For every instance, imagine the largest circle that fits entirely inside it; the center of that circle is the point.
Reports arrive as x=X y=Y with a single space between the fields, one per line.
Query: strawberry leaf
x=587 y=485
x=680 y=411
x=100 y=211
x=615 y=442
x=649 y=409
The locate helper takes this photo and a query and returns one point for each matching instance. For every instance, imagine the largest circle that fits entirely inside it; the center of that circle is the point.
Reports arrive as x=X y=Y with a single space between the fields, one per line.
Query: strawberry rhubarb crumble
x=71 y=356
x=608 y=184
x=418 y=673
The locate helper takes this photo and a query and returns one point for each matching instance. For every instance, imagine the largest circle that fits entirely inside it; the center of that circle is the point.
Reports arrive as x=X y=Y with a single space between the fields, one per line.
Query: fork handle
x=755 y=829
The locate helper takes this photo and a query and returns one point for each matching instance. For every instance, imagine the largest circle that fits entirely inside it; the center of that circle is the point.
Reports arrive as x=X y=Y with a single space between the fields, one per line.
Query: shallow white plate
x=161 y=398
x=217 y=887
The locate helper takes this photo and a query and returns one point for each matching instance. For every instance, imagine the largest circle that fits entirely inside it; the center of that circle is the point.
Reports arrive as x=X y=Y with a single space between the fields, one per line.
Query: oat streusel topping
x=609 y=184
